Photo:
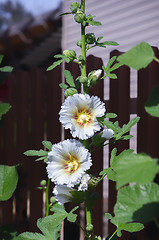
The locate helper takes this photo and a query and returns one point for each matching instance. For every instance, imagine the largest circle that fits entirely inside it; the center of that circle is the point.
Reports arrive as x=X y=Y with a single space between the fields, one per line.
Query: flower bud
x=107 y=133
x=74 y=7
x=53 y=199
x=83 y=79
x=90 y=38
x=79 y=43
x=71 y=54
x=70 y=92
x=79 y=16
x=89 y=227
x=43 y=183
x=94 y=76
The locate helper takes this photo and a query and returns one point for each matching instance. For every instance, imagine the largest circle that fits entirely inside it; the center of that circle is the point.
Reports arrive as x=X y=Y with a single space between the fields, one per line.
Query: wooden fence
x=36 y=100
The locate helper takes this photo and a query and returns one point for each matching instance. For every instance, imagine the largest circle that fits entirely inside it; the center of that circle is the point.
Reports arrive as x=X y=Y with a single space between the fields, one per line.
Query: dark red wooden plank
x=36 y=170
x=120 y=104
x=22 y=131
x=7 y=150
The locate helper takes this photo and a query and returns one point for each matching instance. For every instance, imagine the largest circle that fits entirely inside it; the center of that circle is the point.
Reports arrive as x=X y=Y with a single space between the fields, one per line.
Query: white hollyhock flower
x=62 y=193
x=107 y=133
x=67 y=162
x=79 y=112
x=84 y=183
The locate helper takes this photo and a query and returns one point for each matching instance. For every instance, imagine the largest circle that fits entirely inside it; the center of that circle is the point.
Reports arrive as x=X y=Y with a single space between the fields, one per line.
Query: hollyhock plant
x=67 y=162
x=79 y=112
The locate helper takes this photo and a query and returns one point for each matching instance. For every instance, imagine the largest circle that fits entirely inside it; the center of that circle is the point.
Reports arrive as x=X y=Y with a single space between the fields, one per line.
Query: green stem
x=156 y=59
x=113 y=234
x=88 y=209
x=47 y=197
x=83 y=67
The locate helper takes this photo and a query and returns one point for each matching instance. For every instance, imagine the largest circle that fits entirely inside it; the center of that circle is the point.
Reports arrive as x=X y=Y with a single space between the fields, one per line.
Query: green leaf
x=4 y=108
x=6 y=69
x=59 y=56
x=64 y=86
x=113 y=155
x=115 y=66
x=152 y=104
x=7 y=232
x=31 y=236
x=97 y=140
x=110 y=115
x=72 y=216
x=112 y=43
x=111 y=175
x=111 y=126
x=110 y=62
x=99 y=38
x=69 y=78
x=94 y=23
x=55 y=64
x=135 y=168
x=131 y=227
x=137 y=57
x=47 y=144
x=137 y=203
x=112 y=75
x=41 y=158
x=108 y=216
x=36 y=153
x=66 y=13
x=8 y=181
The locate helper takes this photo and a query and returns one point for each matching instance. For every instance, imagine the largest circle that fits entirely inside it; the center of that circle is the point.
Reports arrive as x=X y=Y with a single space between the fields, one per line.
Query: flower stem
x=113 y=235
x=47 y=197
x=156 y=59
x=83 y=67
x=88 y=209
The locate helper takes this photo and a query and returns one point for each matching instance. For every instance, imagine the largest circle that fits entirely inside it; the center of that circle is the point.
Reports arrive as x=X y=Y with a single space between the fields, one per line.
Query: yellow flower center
x=71 y=163
x=83 y=117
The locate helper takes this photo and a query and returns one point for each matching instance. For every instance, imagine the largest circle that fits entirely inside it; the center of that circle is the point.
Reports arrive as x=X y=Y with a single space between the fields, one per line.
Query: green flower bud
x=43 y=183
x=53 y=199
x=70 y=92
x=71 y=54
x=79 y=16
x=75 y=6
x=83 y=79
x=89 y=227
x=94 y=76
x=79 y=43
x=90 y=38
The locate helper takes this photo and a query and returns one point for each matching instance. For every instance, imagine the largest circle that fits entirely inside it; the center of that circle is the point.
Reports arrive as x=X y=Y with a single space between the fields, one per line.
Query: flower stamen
x=71 y=164
x=83 y=117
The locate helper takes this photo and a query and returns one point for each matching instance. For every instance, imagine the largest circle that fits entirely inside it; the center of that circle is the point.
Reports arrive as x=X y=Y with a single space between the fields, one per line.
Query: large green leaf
x=137 y=203
x=152 y=104
x=4 y=108
x=137 y=57
x=8 y=181
x=50 y=225
x=134 y=168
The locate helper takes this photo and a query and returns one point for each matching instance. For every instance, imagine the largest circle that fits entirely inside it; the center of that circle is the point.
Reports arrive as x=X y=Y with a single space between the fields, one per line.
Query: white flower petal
x=67 y=162
x=84 y=183
x=78 y=113
x=62 y=193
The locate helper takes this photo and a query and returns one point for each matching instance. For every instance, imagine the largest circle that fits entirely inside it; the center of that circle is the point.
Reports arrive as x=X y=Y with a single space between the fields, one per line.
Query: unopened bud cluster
x=71 y=54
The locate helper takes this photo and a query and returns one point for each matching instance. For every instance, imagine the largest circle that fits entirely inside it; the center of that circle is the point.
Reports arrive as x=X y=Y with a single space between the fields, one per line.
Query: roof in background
x=33 y=41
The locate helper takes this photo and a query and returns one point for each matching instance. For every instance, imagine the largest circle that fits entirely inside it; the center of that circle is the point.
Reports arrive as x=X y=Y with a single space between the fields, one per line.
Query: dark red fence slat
x=148 y=128
x=22 y=129
x=7 y=150
x=36 y=169
x=119 y=104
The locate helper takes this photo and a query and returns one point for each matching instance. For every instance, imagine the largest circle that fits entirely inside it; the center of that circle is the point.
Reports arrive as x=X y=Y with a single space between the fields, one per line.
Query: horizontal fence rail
x=36 y=99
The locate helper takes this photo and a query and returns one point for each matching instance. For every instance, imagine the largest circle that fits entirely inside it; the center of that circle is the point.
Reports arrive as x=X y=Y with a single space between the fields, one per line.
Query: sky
x=37 y=6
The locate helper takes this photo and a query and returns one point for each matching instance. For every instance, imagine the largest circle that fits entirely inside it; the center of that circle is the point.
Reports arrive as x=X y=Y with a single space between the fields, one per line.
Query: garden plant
x=68 y=163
